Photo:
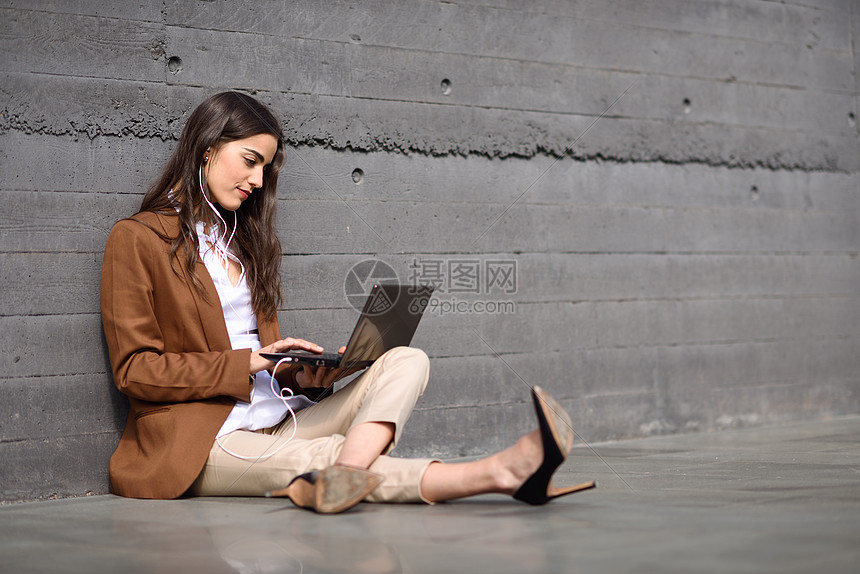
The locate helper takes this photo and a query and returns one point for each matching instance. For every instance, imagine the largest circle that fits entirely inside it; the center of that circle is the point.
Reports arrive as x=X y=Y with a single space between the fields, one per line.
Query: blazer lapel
x=208 y=304
x=211 y=314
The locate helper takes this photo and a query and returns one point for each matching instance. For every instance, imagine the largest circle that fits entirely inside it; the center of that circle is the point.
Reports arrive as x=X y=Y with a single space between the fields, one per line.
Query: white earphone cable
x=223 y=254
x=281 y=396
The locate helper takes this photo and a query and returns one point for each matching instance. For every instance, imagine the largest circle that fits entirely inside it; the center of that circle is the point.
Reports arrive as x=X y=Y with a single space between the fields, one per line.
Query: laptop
x=389 y=319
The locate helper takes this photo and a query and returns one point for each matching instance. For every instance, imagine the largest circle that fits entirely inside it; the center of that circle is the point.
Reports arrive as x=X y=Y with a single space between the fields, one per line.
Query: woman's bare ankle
x=519 y=462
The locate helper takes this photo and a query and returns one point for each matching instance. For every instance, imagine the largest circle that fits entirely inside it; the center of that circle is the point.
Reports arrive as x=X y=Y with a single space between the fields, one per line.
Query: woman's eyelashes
x=253 y=161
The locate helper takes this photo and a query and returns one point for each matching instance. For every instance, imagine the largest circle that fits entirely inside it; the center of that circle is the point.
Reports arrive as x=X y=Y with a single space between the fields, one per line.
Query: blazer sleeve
x=135 y=273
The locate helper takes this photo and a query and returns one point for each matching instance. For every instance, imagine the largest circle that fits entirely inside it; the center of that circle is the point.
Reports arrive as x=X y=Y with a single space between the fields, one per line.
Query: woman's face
x=235 y=169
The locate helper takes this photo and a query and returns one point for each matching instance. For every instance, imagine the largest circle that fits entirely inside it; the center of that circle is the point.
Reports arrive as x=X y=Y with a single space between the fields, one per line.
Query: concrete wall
x=676 y=183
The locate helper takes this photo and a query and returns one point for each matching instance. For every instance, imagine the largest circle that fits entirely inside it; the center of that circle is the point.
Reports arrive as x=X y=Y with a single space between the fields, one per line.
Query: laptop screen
x=389 y=319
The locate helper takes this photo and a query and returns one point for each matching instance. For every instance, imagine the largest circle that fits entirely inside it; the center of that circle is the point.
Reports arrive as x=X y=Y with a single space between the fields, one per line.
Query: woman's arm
x=159 y=348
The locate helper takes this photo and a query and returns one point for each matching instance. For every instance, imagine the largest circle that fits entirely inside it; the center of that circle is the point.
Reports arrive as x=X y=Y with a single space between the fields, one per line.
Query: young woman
x=190 y=291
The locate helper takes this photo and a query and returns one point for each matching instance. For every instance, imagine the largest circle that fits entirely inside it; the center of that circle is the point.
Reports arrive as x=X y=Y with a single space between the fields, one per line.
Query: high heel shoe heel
x=331 y=490
x=556 y=433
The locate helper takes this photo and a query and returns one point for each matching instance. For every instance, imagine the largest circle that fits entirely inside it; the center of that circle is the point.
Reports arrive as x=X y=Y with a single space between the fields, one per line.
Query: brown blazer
x=170 y=354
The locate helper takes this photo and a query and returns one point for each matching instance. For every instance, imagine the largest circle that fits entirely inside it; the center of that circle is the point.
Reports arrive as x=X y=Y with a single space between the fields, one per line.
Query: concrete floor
x=778 y=499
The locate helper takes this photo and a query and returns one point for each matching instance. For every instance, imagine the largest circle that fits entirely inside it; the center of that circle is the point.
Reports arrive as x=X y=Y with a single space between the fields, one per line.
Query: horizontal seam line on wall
x=166 y=82
x=162 y=22
x=755 y=41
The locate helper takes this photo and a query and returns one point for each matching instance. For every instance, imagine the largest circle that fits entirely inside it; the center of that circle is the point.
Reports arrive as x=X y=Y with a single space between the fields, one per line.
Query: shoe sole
x=339 y=488
x=335 y=489
x=558 y=420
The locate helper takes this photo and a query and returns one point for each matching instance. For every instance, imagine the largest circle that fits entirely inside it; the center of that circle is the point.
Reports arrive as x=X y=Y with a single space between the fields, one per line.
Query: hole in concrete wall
x=174 y=64
x=852 y=120
x=687 y=105
x=446 y=87
x=357 y=176
x=754 y=193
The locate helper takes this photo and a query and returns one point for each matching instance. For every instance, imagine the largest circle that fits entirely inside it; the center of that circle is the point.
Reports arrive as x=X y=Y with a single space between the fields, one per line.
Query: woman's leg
x=356 y=427
x=357 y=412
x=371 y=410
x=364 y=443
x=524 y=470
x=503 y=472
x=406 y=480
x=352 y=427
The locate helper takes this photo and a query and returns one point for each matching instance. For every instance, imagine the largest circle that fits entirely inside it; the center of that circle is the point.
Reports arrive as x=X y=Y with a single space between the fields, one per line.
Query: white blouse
x=266 y=408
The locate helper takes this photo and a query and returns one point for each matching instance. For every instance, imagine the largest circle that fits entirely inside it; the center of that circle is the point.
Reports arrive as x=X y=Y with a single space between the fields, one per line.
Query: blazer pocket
x=153 y=411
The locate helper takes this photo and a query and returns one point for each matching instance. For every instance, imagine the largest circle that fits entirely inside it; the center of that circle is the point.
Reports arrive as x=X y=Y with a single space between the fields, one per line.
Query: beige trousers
x=386 y=392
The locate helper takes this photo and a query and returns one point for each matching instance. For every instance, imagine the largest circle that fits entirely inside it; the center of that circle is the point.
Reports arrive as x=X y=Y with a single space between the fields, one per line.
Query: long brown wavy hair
x=222 y=118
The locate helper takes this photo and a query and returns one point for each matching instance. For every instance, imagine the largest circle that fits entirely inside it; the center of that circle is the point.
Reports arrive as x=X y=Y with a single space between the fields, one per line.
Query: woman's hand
x=310 y=377
x=259 y=363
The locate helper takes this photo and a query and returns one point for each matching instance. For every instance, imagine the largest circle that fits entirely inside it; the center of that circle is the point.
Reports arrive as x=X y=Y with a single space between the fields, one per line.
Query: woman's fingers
x=317 y=377
x=310 y=377
x=321 y=377
x=291 y=344
x=258 y=363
